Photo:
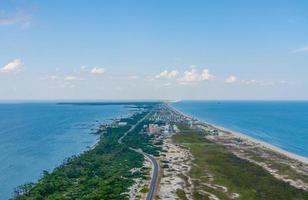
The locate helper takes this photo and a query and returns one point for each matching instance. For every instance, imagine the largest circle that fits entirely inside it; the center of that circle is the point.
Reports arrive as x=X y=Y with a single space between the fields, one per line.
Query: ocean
x=281 y=123
x=39 y=136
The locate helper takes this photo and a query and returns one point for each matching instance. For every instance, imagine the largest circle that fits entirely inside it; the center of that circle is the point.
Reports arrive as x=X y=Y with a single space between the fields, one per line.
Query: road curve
x=155 y=166
x=154 y=178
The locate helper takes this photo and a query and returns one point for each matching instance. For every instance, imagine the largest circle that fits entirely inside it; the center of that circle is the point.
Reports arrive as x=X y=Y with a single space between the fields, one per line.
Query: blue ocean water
x=281 y=123
x=39 y=136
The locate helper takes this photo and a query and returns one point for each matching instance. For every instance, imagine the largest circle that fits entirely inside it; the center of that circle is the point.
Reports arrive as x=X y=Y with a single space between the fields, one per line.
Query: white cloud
x=173 y=73
x=206 y=75
x=97 y=71
x=162 y=74
x=231 y=79
x=14 y=66
x=70 y=78
x=193 y=75
x=62 y=79
x=300 y=50
x=167 y=74
x=190 y=75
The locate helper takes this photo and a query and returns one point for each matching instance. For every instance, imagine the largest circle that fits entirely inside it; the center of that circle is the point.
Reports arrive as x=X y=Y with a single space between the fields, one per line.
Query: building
x=153 y=128
x=122 y=123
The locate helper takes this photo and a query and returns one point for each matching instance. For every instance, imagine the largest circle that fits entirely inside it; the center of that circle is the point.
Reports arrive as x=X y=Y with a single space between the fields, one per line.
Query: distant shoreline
x=249 y=138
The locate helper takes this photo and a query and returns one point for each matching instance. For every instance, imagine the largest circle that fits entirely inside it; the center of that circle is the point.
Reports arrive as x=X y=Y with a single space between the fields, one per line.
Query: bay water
x=39 y=136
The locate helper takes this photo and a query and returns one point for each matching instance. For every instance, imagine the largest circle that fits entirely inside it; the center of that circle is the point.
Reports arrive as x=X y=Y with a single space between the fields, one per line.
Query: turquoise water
x=39 y=136
x=281 y=123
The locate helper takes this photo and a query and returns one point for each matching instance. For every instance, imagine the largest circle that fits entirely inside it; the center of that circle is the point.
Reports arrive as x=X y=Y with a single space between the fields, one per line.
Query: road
x=154 y=178
x=155 y=166
x=132 y=128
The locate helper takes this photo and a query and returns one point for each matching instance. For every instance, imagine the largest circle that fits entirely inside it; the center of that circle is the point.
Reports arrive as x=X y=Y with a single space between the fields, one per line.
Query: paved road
x=155 y=166
x=154 y=178
x=132 y=128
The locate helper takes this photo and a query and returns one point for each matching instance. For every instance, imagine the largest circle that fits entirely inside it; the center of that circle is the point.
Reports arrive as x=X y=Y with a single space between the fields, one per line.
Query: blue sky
x=153 y=49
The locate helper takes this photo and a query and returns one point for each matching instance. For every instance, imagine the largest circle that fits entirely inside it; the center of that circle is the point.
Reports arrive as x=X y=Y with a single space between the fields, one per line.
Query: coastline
x=107 y=166
x=243 y=136
x=262 y=143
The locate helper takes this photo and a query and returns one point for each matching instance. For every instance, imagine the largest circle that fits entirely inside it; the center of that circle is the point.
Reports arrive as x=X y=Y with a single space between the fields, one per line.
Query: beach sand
x=248 y=138
x=261 y=143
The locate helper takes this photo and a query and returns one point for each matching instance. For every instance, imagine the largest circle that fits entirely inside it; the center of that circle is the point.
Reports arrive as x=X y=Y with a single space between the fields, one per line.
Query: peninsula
x=160 y=153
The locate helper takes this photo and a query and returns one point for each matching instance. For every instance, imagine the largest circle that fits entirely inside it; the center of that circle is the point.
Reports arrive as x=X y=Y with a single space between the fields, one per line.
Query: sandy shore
x=249 y=138
x=262 y=143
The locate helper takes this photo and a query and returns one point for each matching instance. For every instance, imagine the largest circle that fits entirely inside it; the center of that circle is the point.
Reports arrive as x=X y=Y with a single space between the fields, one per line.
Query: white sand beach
x=249 y=138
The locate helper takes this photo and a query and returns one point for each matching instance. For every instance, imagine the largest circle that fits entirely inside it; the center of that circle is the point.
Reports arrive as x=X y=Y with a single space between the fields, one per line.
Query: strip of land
x=281 y=164
x=106 y=171
x=226 y=167
x=196 y=161
x=155 y=166
x=222 y=130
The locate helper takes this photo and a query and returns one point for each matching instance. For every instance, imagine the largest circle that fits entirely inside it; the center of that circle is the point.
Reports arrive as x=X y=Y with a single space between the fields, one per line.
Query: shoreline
x=247 y=137
x=262 y=143
x=109 y=131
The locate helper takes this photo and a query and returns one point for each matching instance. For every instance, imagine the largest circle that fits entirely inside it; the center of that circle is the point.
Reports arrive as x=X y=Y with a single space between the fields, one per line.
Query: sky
x=154 y=49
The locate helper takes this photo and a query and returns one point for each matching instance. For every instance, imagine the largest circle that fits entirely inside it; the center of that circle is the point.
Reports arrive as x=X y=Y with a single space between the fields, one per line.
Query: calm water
x=283 y=124
x=39 y=136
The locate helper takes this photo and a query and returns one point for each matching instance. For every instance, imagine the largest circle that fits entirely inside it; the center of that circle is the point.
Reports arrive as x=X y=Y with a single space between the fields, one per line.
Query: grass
x=287 y=170
x=238 y=175
x=283 y=169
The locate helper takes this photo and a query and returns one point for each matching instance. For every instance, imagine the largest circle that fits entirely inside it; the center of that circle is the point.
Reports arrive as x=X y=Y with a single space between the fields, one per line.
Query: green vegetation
x=238 y=175
x=139 y=139
x=145 y=190
x=181 y=194
x=283 y=169
x=103 y=172
x=165 y=166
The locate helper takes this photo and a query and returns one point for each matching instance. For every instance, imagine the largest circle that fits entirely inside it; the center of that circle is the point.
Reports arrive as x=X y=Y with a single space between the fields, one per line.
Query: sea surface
x=39 y=136
x=280 y=123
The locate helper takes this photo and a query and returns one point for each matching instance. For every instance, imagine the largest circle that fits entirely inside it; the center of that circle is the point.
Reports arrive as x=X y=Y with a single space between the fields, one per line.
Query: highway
x=153 y=184
x=132 y=128
x=155 y=166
